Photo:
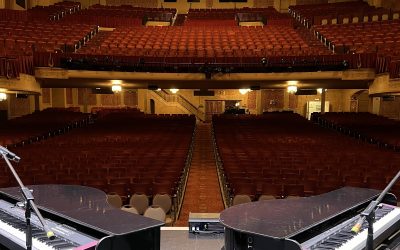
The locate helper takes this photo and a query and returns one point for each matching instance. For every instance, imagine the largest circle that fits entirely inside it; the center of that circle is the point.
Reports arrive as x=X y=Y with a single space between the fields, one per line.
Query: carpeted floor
x=202 y=191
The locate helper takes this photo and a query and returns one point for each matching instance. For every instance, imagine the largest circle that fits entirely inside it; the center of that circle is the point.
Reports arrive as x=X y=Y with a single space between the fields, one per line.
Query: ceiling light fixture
x=244 y=91
x=174 y=91
x=292 y=89
x=116 y=88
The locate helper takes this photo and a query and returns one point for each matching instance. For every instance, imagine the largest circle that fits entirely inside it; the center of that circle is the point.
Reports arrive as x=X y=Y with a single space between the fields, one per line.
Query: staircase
x=202 y=193
x=200 y=115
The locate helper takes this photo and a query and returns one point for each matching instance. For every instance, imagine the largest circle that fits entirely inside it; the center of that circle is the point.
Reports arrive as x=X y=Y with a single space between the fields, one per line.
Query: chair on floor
x=240 y=199
x=114 y=200
x=140 y=202
x=155 y=212
x=165 y=202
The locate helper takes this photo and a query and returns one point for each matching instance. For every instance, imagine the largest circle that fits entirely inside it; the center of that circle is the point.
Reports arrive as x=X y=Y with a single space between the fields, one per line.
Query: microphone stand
x=369 y=212
x=29 y=204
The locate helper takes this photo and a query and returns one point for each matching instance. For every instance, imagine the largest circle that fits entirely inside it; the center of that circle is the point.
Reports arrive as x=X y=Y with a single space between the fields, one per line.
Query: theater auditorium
x=199 y=124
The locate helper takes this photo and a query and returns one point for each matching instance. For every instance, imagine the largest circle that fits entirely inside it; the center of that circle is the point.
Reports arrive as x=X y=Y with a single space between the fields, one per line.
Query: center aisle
x=203 y=193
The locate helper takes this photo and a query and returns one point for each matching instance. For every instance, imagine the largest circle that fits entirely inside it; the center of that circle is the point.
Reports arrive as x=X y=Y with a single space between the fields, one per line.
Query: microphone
x=10 y=155
x=357 y=227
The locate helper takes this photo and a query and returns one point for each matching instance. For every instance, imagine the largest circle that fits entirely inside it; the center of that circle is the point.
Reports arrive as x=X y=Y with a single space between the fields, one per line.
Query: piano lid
x=283 y=218
x=84 y=205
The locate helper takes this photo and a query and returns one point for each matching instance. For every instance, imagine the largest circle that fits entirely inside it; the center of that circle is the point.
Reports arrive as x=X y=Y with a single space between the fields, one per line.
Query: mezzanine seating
x=358 y=11
x=119 y=16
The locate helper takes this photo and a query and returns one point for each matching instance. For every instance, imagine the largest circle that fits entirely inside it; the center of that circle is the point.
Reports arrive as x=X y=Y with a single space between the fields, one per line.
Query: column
x=323 y=95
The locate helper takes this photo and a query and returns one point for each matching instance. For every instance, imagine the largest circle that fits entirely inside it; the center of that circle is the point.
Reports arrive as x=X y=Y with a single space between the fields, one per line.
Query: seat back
x=155 y=212
x=240 y=199
x=114 y=200
x=140 y=202
x=164 y=201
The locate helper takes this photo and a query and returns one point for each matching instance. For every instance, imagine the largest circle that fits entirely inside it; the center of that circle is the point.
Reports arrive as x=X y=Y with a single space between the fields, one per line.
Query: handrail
x=182 y=101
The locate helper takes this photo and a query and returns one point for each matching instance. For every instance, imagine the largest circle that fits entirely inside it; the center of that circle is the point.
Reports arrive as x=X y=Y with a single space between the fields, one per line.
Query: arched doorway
x=359 y=101
x=152 y=106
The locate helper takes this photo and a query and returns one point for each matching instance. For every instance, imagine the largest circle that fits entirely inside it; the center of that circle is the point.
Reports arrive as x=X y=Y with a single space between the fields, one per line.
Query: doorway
x=152 y=107
x=212 y=108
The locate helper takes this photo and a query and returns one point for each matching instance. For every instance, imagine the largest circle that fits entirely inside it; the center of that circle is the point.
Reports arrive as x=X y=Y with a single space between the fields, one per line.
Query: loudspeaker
x=306 y=92
x=152 y=87
x=22 y=96
x=255 y=87
x=203 y=92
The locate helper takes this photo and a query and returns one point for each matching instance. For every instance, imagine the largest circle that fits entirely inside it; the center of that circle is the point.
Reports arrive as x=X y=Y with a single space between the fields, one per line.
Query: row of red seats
x=13 y=15
x=314 y=14
x=125 y=159
x=365 y=126
x=130 y=3
x=118 y=16
x=129 y=7
x=42 y=124
x=288 y=149
x=183 y=38
x=361 y=36
x=377 y=37
x=53 y=12
x=23 y=37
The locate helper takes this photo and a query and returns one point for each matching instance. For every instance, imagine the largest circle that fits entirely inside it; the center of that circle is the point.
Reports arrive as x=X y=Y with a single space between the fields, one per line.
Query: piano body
x=319 y=222
x=80 y=217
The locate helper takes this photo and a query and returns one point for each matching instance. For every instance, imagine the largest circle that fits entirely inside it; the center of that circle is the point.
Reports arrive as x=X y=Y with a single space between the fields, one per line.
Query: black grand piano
x=320 y=222
x=80 y=217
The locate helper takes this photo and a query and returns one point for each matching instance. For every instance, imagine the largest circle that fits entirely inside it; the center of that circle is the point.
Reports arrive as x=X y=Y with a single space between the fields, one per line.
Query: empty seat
x=155 y=212
x=140 y=202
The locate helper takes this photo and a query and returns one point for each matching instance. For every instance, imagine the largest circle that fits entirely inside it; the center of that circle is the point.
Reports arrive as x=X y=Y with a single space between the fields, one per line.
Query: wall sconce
x=3 y=97
x=292 y=89
x=116 y=88
x=244 y=91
